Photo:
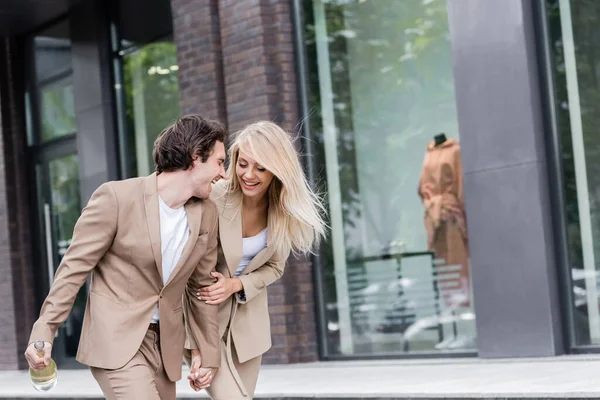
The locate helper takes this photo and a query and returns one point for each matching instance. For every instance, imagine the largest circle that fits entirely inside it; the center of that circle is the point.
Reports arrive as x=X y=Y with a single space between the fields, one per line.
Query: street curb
x=400 y=397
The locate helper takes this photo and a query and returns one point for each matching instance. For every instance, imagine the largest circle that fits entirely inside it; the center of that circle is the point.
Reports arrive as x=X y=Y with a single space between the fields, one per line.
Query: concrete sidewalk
x=557 y=377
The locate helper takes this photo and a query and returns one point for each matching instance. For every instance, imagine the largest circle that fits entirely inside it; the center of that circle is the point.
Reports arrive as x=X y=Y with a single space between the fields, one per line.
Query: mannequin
x=441 y=191
x=439 y=139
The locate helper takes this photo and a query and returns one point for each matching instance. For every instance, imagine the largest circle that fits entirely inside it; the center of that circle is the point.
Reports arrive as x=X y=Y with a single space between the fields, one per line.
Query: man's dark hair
x=188 y=137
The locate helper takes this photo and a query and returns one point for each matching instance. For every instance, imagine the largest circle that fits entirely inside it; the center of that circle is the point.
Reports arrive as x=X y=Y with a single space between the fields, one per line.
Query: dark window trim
x=307 y=151
x=585 y=349
x=30 y=85
x=55 y=147
x=125 y=50
x=46 y=25
x=414 y=355
x=556 y=184
x=120 y=108
x=61 y=75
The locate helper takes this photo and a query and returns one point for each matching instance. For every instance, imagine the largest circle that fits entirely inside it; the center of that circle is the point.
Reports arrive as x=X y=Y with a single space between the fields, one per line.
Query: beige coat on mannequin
x=441 y=191
x=244 y=323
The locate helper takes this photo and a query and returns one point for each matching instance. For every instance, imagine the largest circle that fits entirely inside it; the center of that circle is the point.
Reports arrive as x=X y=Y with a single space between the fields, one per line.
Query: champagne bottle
x=43 y=379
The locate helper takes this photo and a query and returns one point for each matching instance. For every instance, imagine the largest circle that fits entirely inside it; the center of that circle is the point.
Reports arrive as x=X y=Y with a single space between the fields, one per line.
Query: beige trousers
x=225 y=386
x=142 y=378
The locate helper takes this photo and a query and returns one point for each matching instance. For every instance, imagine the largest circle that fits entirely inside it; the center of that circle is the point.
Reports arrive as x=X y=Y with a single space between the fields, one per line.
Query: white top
x=250 y=248
x=174 y=233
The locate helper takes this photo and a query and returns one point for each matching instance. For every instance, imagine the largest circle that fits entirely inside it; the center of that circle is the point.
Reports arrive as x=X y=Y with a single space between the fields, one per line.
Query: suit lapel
x=193 y=209
x=262 y=257
x=153 y=219
x=230 y=230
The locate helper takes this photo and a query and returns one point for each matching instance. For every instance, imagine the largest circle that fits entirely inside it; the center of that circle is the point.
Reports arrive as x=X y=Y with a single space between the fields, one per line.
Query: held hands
x=220 y=291
x=34 y=360
x=199 y=377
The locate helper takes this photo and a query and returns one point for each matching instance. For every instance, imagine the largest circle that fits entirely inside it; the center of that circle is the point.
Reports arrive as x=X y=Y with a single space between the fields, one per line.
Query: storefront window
x=575 y=40
x=52 y=51
x=152 y=97
x=384 y=128
x=149 y=93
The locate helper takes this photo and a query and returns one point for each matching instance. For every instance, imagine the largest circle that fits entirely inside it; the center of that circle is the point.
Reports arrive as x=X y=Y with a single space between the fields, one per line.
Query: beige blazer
x=117 y=240
x=248 y=319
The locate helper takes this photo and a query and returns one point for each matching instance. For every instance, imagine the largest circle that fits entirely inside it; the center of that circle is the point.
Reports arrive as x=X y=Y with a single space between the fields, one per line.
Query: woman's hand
x=200 y=377
x=220 y=291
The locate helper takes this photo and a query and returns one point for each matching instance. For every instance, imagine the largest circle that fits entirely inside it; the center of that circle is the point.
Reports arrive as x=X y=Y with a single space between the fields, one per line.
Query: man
x=143 y=240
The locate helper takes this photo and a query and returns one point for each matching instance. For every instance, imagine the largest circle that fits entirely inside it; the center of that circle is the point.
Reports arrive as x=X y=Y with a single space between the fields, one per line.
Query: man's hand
x=220 y=291
x=202 y=378
x=199 y=377
x=36 y=361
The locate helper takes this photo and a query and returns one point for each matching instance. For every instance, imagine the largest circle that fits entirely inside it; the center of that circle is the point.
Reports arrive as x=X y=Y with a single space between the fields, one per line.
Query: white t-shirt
x=250 y=248
x=174 y=233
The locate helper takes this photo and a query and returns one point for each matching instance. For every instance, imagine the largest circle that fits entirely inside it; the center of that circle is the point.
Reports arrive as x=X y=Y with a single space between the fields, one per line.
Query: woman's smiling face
x=254 y=178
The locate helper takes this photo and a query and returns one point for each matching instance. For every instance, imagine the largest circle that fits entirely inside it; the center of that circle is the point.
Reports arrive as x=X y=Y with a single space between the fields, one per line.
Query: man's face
x=204 y=174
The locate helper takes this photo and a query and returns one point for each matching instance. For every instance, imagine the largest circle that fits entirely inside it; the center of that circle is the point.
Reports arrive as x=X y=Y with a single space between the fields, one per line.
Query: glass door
x=52 y=146
x=59 y=208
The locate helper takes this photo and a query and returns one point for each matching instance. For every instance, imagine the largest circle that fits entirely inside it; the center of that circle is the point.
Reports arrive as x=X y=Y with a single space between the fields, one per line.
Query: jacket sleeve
x=202 y=324
x=257 y=280
x=92 y=237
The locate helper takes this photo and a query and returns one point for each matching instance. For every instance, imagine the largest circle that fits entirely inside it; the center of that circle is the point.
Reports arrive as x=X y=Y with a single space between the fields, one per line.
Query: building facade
x=452 y=141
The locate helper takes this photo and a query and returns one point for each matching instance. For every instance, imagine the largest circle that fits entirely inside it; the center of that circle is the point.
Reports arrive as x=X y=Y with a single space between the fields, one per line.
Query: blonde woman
x=266 y=210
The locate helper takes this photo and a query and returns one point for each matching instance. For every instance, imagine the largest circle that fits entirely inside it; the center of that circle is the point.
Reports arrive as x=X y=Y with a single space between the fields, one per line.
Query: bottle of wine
x=43 y=379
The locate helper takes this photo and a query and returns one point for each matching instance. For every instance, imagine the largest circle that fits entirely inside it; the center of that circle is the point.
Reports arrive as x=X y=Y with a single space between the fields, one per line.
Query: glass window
x=148 y=92
x=53 y=74
x=574 y=42
x=384 y=126
x=58 y=109
x=64 y=186
x=152 y=98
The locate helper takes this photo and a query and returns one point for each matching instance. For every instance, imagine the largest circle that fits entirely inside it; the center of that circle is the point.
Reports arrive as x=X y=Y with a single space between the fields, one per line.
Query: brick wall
x=250 y=47
x=17 y=295
x=197 y=36
x=293 y=319
x=258 y=62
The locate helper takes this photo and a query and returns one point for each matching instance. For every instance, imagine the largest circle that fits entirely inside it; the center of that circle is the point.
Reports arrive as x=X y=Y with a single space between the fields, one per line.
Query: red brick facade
x=198 y=38
x=245 y=59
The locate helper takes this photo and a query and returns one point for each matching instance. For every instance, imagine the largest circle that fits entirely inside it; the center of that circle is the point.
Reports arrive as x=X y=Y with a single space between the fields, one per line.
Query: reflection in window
x=152 y=98
x=396 y=268
x=58 y=111
x=64 y=186
x=53 y=73
x=574 y=41
x=63 y=177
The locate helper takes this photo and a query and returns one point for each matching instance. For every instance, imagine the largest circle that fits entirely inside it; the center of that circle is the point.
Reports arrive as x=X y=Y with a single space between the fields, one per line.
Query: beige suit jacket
x=248 y=319
x=117 y=240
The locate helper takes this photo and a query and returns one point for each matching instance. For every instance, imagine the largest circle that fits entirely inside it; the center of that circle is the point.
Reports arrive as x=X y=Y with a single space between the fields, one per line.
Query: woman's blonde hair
x=295 y=215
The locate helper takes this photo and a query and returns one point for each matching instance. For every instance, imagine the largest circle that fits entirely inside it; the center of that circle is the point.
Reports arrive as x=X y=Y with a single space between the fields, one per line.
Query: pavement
x=565 y=377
